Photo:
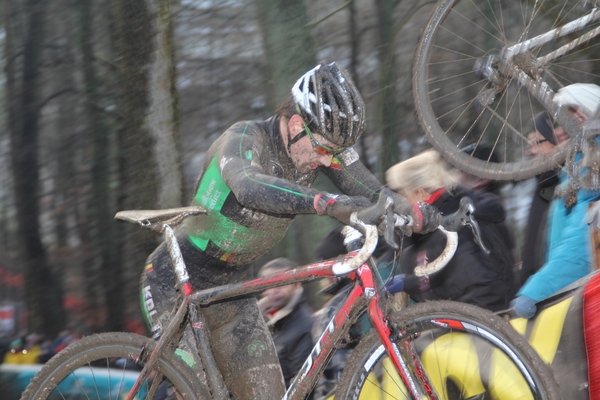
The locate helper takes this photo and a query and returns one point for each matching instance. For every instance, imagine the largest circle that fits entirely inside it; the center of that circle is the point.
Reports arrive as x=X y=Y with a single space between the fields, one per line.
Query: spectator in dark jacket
x=471 y=276
x=488 y=192
x=289 y=318
x=546 y=136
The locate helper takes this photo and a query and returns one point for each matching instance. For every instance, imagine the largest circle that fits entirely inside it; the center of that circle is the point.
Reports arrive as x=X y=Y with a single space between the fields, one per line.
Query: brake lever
x=382 y=212
x=388 y=235
x=472 y=223
x=464 y=216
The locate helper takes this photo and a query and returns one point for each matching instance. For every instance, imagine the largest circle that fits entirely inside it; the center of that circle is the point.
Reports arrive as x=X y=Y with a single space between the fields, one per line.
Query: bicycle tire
x=451 y=100
x=459 y=364
x=80 y=370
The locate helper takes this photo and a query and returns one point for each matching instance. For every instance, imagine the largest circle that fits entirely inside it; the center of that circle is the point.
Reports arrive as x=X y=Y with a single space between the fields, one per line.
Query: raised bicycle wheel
x=105 y=366
x=466 y=353
x=457 y=107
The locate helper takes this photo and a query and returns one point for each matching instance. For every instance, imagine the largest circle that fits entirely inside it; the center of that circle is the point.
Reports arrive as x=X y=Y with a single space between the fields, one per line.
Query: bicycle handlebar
x=444 y=258
x=371 y=236
x=366 y=220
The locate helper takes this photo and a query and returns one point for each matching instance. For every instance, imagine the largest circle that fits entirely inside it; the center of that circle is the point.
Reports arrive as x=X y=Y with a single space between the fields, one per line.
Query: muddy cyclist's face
x=308 y=154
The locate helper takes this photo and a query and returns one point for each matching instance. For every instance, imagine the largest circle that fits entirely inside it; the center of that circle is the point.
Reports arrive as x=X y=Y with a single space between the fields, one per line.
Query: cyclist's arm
x=241 y=168
x=354 y=179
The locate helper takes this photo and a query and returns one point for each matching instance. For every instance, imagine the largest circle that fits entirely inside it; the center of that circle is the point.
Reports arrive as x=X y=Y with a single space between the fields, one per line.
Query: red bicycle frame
x=363 y=295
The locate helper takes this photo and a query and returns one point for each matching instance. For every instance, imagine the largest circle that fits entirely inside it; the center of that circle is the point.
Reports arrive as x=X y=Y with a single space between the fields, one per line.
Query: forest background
x=107 y=105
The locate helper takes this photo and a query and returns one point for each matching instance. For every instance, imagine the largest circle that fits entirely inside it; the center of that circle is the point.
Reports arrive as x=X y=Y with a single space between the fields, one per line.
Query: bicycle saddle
x=168 y=215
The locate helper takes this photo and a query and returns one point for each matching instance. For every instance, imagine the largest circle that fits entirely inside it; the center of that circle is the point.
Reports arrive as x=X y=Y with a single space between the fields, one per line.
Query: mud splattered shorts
x=241 y=341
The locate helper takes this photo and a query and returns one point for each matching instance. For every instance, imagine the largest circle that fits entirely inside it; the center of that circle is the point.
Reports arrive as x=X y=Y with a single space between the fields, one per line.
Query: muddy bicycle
x=435 y=350
x=483 y=69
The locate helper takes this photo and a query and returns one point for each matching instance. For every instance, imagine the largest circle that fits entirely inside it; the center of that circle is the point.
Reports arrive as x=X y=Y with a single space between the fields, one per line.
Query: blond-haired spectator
x=471 y=276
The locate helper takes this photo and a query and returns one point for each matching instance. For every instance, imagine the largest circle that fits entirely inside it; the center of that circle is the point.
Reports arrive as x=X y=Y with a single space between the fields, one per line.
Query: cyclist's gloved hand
x=524 y=306
x=340 y=207
x=430 y=218
x=426 y=218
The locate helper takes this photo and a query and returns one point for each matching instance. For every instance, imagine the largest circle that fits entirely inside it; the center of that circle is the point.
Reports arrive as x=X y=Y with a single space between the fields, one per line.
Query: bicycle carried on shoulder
x=433 y=350
x=483 y=69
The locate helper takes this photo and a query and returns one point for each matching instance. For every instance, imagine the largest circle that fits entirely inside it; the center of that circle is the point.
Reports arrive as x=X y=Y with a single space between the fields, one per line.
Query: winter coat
x=291 y=330
x=534 y=246
x=569 y=255
x=471 y=276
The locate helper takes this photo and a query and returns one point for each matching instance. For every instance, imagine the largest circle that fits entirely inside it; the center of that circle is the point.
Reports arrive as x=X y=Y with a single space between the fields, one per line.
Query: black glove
x=340 y=207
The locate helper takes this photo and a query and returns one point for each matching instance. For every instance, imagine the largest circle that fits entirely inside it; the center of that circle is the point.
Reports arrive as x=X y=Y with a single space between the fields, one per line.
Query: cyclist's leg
x=158 y=297
x=242 y=343
x=244 y=350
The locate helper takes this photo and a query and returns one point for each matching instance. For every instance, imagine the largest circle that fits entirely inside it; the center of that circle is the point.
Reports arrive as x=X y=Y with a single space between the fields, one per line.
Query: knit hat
x=545 y=124
x=584 y=95
x=482 y=152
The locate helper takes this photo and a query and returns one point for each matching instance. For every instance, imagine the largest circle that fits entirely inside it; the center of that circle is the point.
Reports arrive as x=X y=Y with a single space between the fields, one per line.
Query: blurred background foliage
x=111 y=104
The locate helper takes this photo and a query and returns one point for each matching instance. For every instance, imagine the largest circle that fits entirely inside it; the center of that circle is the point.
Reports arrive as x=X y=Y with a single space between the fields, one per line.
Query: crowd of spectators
x=492 y=280
x=34 y=348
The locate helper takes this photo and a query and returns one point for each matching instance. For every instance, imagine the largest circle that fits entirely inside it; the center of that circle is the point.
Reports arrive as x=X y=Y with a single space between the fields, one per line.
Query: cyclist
x=256 y=177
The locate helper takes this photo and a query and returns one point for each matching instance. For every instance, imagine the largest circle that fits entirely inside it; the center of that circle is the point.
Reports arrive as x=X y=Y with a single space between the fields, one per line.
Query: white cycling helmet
x=583 y=95
x=330 y=104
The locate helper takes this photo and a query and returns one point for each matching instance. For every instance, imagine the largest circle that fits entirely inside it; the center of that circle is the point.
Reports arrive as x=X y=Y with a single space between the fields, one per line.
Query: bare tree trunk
x=97 y=129
x=139 y=176
x=354 y=53
x=288 y=45
x=74 y=265
x=42 y=290
x=163 y=116
x=149 y=157
x=389 y=116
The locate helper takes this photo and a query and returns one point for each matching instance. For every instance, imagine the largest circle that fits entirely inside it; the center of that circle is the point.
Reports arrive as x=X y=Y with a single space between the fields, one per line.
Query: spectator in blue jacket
x=569 y=255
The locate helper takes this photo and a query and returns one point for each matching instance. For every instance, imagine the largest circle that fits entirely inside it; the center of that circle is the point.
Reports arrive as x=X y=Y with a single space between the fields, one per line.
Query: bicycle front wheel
x=464 y=96
x=465 y=352
x=105 y=366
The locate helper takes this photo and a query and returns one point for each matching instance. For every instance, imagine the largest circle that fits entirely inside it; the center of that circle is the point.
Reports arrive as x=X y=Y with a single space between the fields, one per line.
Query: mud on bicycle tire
x=445 y=85
x=369 y=371
x=98 y=350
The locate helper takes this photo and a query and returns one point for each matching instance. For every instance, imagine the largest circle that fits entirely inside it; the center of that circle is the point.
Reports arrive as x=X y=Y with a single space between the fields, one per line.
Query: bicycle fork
x=410 y=369
x=403 y=355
